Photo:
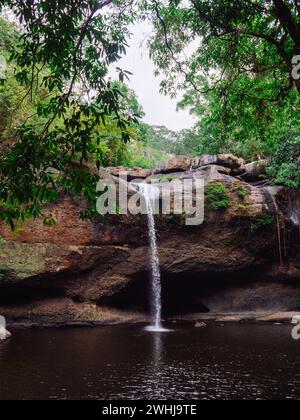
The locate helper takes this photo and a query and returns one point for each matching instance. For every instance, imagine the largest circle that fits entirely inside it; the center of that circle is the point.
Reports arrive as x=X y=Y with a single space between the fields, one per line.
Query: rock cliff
x=243 y=258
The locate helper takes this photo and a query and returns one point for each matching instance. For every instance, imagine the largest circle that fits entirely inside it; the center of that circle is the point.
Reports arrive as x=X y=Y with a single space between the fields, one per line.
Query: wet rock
x=200 y=325
x=296 y=319
x=65 y=312
x=282 y=317
x=4 y=334
x=229 y=319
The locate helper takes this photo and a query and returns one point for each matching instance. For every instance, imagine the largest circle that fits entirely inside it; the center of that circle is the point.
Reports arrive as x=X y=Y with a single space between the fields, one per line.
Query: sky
x=159 y=109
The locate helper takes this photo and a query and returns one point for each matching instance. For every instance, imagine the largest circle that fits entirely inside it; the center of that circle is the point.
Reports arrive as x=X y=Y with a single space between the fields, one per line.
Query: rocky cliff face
x=243 y=258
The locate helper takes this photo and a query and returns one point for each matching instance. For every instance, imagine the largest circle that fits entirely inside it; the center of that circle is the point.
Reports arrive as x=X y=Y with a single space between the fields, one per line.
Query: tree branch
x=286 y=19
x=82 y=35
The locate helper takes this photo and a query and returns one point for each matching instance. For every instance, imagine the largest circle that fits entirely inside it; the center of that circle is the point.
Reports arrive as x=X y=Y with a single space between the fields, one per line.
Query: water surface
x=231 y=362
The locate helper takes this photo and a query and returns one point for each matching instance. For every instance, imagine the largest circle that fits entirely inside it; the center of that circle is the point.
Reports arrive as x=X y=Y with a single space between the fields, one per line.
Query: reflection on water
x=234 y=362
x=155 y=385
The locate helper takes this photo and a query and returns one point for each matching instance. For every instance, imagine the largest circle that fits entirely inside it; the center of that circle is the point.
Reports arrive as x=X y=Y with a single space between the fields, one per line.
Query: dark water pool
x=231 y=362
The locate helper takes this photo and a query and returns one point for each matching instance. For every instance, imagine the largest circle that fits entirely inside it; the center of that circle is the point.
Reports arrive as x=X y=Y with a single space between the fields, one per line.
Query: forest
x=181 y=280
x=235 y=65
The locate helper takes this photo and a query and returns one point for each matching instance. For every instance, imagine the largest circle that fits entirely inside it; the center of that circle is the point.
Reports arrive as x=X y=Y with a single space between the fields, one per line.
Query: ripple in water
x=235 y=362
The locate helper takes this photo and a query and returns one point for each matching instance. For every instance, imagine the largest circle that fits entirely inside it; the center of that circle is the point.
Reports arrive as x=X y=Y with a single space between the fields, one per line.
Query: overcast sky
x=159 y=109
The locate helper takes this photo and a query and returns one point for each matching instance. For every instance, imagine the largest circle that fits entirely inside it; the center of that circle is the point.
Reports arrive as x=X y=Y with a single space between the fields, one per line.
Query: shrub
x=241 y=190
x=217 y=196
x=285 y=164
x=264 y=221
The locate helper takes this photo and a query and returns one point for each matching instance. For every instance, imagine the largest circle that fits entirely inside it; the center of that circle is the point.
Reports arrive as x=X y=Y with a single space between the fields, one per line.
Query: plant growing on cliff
x=265 y=221
x=285 y=163
x=217 y=196
x=241 y=190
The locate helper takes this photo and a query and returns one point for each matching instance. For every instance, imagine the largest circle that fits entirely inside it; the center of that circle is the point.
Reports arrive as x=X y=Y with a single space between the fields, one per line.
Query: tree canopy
x=64 y=48
x=236 y=63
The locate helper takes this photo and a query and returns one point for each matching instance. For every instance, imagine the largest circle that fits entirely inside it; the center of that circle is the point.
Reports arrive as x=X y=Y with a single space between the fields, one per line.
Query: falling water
x=150 y=194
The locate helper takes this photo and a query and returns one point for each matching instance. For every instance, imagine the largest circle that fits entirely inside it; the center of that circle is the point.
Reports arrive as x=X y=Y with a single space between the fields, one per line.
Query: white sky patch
x=159 y=109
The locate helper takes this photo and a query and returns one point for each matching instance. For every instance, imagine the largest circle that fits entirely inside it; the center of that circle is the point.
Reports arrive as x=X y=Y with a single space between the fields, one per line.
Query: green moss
x=265 y=221
x=24 y=260
x=2 y=242
x=243 y=208
x=241 y=190
x=217 y=196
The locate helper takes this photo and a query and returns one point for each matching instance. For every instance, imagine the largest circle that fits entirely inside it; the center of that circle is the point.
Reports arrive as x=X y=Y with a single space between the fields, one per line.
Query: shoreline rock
x=4 y=334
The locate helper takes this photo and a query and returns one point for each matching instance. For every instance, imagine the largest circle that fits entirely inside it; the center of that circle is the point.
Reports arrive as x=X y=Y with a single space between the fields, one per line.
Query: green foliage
x=15 y=105
x=49 y=220
x=2 y=242
x=241 y=190
x=285 y=163
x=62 y=55
x=237 y=80
x=171 y=142
x=265 y=221
x=61 y=116
x=141 y=159
x=298 y=304
x=217 y=196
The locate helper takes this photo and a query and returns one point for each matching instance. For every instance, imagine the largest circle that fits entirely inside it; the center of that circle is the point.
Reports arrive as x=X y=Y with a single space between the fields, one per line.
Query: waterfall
x=150 y=194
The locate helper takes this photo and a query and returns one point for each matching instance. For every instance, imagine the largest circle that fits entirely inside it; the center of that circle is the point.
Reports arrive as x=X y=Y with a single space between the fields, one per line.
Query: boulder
x=255 y=171
x=226 y=160
x=4 y=334
x=204 y=160
x=135 y=173
x=200 y=325
x=230 y=161
x=177 y=164
x=138 y=173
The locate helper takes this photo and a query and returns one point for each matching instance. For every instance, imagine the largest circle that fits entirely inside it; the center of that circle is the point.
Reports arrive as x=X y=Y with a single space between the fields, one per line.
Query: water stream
x=151 y=194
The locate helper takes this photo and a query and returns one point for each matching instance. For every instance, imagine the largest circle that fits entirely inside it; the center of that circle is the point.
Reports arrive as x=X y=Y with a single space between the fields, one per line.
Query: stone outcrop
x=4 y=334
x=80 y=272
x=255 y=171
x=183 y=164
x=132 y=174
x=231 y=162
x=177 y=164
